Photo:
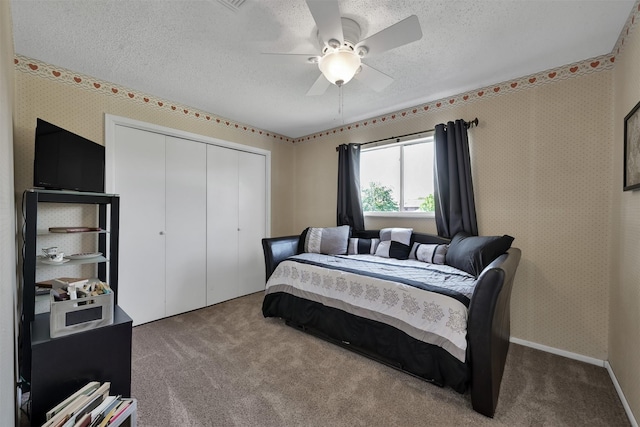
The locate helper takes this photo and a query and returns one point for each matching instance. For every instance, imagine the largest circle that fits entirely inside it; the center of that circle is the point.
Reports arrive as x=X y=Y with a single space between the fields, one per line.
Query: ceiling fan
x=342 y=51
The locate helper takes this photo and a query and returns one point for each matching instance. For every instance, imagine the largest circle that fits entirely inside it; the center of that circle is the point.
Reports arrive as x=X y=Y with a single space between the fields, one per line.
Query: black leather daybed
x=392 y=341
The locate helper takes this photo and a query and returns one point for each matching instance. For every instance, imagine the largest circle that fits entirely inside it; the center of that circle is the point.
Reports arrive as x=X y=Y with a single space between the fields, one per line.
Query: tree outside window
x=398 y=177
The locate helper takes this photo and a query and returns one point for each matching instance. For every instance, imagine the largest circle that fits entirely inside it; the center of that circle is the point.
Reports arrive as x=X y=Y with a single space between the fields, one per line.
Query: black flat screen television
x=66 y=161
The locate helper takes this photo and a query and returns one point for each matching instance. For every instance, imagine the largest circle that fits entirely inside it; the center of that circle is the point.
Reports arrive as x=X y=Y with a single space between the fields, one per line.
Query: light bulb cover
x=339 y=66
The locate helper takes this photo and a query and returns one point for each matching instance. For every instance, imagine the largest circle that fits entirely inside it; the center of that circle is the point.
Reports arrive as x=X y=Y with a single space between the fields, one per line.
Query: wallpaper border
x=597 y=64
x=576 y=69
x=41 y=69
x=589 y=66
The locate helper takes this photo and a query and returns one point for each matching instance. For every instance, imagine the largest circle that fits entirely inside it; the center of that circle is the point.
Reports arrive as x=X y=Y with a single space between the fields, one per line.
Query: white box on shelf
x=81 y=314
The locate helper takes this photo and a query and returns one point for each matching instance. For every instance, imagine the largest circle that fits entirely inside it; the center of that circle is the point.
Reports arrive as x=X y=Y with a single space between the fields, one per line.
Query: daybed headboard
x=276 y=249
x=415 y=237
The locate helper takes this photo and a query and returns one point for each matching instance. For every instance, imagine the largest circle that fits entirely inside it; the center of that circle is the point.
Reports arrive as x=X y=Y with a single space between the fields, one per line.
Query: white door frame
x=111 y=121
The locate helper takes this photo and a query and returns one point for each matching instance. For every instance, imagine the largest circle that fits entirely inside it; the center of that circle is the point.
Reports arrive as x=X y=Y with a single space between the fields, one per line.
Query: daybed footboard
x=488 y=330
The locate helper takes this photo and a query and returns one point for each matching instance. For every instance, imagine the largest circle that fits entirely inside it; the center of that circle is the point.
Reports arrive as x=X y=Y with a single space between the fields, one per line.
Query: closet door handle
x=162 y=233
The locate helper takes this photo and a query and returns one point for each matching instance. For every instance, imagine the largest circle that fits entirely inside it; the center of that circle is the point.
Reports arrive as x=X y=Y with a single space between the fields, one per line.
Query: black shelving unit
x=32 y=334
x=60 y=366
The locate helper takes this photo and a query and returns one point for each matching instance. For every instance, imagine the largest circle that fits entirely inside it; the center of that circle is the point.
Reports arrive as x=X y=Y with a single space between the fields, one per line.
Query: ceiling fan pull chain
x=339 y=99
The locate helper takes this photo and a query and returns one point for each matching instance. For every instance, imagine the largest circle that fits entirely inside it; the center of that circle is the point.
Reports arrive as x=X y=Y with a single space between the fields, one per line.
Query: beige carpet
x=226 y=365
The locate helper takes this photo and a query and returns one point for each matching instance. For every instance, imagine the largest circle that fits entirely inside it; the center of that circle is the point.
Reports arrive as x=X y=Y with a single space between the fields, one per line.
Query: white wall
x=7 y=224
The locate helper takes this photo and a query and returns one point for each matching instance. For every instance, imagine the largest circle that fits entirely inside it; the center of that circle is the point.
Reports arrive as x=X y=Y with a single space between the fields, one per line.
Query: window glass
x=380 y=179
x=398 y=178
x=418 y=177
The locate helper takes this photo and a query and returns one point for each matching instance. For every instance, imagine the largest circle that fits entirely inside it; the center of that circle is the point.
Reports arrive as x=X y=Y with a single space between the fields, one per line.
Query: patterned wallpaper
x=542 y=172
x=592 y=65
x=624 y=353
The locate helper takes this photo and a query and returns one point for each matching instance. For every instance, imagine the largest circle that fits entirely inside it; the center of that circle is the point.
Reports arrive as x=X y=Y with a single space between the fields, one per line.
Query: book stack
x=91 y=406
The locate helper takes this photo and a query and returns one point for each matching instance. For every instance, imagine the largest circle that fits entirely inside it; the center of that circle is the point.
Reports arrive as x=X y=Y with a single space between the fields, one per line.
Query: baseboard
x=564 y=353
x=582 y=358
x=623 y=399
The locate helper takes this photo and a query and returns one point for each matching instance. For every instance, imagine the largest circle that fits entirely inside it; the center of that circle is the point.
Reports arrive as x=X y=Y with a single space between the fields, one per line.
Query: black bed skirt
x=374 y=339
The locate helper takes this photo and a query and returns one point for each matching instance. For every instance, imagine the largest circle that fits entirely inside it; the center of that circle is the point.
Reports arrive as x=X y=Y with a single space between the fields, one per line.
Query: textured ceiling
x=206 y=55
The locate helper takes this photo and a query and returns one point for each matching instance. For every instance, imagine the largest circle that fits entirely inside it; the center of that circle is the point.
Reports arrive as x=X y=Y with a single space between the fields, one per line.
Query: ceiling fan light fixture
x=339 y=66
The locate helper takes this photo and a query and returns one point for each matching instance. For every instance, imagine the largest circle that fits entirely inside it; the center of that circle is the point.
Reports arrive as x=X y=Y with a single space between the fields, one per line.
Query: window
x=398 y=177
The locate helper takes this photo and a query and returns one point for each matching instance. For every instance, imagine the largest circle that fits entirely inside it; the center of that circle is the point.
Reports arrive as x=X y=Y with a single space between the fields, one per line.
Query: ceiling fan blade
x=376 y=80
x=406 y=31
x=319 y=87
x=326 y=13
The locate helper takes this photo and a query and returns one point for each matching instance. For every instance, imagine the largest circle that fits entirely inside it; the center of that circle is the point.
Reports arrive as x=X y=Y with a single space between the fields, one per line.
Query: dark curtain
x=349 y=203
x=455 y=205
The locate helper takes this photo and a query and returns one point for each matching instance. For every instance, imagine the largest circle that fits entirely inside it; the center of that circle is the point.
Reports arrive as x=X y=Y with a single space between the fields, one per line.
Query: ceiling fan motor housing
x=350 y=32
x=343 y=49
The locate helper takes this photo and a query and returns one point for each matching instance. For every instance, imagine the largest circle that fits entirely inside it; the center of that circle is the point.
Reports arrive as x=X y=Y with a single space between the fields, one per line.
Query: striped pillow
x=329 y=240
x=431 y=253
x=362 y=246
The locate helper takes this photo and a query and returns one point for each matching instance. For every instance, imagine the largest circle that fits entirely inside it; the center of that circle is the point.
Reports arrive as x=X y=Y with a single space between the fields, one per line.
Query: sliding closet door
x=139 y=179
x=252 y=221
x=222 y=224
x=192 y=216
x=236 y=223
x=186 y=224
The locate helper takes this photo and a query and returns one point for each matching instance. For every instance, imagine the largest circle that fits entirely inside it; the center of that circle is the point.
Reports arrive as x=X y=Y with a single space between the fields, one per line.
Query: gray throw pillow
x=329 y=240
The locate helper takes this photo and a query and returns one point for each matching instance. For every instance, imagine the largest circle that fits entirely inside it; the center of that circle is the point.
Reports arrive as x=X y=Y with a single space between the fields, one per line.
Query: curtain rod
x=468 y=124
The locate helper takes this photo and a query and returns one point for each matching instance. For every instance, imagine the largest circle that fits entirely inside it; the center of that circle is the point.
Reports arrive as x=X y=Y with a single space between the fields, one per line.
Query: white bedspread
x=432 y=308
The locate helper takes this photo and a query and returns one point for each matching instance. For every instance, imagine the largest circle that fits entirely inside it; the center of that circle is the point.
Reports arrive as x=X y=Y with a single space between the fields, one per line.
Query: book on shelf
x=98 y=414
x=110 y=412
x=42 y=291
x=94 y=400
x=89 y=388
x=84 y=421
x=105 y=416
x=75 y=406
x=124 y=404
x=91 y=406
